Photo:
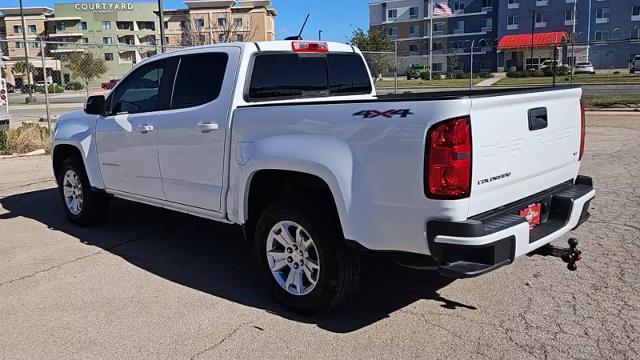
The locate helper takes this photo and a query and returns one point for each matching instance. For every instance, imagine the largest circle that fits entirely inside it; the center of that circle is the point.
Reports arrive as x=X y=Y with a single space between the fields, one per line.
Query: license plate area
x=533 y=214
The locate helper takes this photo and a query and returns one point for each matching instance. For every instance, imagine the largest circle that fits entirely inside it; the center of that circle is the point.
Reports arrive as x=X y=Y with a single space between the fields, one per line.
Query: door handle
x=144 y=128
x=206 y=127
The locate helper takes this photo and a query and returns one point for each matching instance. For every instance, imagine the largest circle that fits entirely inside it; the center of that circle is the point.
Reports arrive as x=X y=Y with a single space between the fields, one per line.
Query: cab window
x=138 y=92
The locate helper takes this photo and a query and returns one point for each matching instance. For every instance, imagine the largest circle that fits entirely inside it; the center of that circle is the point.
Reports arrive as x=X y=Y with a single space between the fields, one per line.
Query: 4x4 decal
x=368 y=114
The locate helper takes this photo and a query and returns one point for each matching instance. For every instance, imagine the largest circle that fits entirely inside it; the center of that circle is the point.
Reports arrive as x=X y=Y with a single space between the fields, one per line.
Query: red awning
x=523 y=41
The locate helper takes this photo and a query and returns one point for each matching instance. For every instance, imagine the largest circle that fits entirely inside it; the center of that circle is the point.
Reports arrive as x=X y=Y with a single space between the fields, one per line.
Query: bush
x=517 y=74
x=3 y=141
x=560 y=71
x=74 y=85
x=435 y=75
x=28 y=137
x=535 y=73
x=486 y=75
x=55 y=89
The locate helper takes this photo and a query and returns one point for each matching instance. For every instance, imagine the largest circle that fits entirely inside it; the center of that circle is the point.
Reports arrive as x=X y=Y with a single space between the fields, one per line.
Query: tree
x=20 y=67
x=377 y=41
x=86 y=66
x=227 y=28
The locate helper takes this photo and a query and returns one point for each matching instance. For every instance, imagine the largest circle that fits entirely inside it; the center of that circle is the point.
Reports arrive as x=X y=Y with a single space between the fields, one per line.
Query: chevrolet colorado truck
x=289 y=140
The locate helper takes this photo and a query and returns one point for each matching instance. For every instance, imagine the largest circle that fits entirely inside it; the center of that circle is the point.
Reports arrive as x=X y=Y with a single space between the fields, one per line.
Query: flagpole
x=430 y=13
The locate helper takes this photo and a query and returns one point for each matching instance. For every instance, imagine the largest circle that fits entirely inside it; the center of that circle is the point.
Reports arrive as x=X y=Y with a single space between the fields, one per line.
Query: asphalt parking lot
x=151 y=283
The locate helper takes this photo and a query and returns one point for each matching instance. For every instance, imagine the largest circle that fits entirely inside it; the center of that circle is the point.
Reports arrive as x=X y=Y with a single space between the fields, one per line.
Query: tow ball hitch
x=569 y=256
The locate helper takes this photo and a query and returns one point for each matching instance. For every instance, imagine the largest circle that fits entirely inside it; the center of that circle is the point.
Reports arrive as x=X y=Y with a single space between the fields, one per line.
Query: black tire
x=94 y=204
x=339 y=274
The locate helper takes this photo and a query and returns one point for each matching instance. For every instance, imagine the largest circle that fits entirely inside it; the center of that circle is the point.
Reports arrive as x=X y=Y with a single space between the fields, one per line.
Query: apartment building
x=473 y=22
x=12 y=45
x=609 y=30
x=216 y=21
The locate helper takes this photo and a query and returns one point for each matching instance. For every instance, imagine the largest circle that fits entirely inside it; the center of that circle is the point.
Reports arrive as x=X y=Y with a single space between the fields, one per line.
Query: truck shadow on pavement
x=213 y=258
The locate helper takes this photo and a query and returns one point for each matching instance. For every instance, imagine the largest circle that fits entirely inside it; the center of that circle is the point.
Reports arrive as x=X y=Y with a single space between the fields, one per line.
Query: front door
x=191 y=139
x=127 y=139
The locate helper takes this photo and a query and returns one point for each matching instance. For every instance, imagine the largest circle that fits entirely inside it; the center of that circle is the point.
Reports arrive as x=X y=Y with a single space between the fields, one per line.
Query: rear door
x=523 y=144
x=191 y=137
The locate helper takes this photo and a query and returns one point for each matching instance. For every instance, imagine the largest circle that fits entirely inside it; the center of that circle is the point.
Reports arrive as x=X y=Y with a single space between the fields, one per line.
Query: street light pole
x=319 y=35
x=533 y=30
x=573 y=41
x=46 y=83
x=161 y=14
x=26 y=52
x=473 y=42
x=430 y=13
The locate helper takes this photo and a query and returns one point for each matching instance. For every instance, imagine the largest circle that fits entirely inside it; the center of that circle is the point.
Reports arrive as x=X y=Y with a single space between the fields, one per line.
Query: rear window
x=584 y=64
x=287 y=76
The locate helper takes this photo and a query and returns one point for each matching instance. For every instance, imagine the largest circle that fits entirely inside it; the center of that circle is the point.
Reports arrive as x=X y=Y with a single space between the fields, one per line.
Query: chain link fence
x=74 y=70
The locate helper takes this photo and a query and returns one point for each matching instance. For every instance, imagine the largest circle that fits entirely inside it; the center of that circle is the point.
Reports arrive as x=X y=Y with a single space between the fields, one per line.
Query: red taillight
x=582 y=130
x=448 y=160
x=310 y=46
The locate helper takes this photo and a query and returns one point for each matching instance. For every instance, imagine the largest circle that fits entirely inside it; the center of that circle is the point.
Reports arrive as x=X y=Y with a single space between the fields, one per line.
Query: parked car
x=634 y=64
x=74 y=85
x=109 y=84
x=417 y=71
x=584 y=68
x=549 y=64
x=318 y=170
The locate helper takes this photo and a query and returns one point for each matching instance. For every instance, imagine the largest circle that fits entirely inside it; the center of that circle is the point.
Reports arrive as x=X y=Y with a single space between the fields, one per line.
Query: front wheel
x=82 y=205
x=303 y=258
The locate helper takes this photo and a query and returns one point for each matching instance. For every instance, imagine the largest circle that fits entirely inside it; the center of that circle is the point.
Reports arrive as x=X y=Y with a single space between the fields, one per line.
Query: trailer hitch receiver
x=570 y=256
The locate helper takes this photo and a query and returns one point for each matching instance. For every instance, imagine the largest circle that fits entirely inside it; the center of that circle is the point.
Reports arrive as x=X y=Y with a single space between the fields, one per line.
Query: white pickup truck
x=289 y=140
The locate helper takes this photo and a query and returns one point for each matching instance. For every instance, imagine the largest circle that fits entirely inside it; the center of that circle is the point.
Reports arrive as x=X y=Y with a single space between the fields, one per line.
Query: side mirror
x=95 y=105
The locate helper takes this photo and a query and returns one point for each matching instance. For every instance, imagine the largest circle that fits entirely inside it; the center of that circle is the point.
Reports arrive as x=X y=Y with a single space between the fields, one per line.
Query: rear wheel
x=302 y=257
x=82 y=205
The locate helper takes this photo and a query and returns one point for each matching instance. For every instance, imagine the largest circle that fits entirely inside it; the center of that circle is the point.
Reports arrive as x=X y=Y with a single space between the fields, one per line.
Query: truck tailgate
x=523 y=144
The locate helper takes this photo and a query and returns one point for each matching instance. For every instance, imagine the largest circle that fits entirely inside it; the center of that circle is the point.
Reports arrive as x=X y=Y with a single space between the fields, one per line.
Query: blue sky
x=335 y=18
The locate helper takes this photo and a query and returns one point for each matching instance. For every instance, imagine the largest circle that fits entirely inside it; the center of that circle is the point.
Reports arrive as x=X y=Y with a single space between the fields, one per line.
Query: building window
x=82 y=25
x=18 y=45
x=84 y=40
x=166 y=24
x=222 y=22
x=513 y=4
x=635 y=34
x=17 y=29
x=437 y=67
x=487 y=3
x=31 y=28
x=239 y=37
x=60 y=26
x=34 y=45
x=221 y=38
x=602 y=15
x=392 y=14
x=414 y=30
x=458 y=27
x=541 y=19
x=200 y=23
x=438 y=28
x=413 y=12
x=601 y=35
x=106 y=25
x=413 y=48
x=458 y=6
x=392 y=32
x=438 y=46
x=568 y=15
x=635 y=11
x=108 y=56
x=107 y=40
x=486 y=24
x=513 y=22
x=237 y=22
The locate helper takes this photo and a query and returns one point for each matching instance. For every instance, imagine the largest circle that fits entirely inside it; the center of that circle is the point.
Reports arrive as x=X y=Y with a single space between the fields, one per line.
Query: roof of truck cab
x=277 y=45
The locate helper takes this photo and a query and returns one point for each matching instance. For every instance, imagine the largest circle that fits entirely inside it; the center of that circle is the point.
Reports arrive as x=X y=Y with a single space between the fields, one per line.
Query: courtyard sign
x=104 y=7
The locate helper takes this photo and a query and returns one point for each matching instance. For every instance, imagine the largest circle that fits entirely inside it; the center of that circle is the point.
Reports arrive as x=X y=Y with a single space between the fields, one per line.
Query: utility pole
x=161 y=14
x=319 y=35
x=471 y=70
x=430 y=13
x=26 y=52
x=573 y=41
x=533 y=30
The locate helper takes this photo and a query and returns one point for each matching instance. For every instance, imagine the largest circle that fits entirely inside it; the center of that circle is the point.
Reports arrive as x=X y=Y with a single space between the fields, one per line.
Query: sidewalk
x=488 y=82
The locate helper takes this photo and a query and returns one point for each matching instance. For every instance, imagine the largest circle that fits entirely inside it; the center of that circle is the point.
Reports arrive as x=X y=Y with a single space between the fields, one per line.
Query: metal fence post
x=396 y=68
x=46 y=84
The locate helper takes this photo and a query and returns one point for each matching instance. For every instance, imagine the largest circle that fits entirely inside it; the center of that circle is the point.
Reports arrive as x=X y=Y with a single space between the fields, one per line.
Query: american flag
x=442 y=9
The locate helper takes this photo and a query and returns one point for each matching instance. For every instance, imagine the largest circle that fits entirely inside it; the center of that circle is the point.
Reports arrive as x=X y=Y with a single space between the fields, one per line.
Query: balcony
x=569 y=22
x=542 y=2
x=513 y=5
x=541 y=24
x=513 y=27
x=635 y=17
x=602 y=20
x=124 y=25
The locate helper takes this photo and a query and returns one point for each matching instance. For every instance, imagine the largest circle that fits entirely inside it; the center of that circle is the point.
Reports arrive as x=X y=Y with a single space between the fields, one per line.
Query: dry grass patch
x=28 y=137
